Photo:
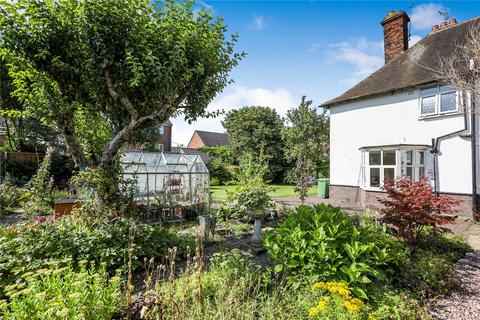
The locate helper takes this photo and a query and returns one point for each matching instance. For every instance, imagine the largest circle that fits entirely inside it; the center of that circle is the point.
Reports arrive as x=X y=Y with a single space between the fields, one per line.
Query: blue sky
x=313 y=48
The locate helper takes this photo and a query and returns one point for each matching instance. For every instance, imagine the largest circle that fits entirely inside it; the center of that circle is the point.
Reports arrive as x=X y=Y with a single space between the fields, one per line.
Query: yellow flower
x=318 y=286
x=312 y=312
x=321 y=306
x=353 y=305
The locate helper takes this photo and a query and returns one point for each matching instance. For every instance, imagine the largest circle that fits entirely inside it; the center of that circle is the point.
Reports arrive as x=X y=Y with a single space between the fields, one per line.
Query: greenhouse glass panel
x=167 y=179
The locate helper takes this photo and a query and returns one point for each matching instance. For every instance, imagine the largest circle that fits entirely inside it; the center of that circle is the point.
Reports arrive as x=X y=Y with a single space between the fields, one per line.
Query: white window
x=413 y=164
x=161 y=129
x=382 y=164
x=438 y=100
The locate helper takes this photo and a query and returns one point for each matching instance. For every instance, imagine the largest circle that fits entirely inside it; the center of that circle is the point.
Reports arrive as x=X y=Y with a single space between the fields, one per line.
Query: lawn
x=219 y=193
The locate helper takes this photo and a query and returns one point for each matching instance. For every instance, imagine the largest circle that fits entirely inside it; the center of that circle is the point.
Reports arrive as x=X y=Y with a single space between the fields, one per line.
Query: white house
x=400 y=122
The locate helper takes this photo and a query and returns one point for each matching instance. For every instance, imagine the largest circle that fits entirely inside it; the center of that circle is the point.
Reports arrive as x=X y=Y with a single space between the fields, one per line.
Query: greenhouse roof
x=159 y=162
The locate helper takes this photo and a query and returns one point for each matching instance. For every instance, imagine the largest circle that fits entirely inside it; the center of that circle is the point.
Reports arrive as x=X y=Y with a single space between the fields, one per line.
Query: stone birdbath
x=258 y=215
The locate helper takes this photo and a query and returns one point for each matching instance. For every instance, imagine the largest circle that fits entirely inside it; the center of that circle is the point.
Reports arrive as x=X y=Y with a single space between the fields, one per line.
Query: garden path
x=462 y=303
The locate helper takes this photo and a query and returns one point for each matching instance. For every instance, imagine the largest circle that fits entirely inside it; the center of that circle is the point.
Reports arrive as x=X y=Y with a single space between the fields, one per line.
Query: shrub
x=39 y=201
x=321 y=242
x=9 y=196
x=412 y=206
x=27 y=247
x=62 y=293
x=248 y=196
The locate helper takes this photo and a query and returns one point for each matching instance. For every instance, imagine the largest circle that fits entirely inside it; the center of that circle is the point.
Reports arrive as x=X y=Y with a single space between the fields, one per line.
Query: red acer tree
x=412 y=205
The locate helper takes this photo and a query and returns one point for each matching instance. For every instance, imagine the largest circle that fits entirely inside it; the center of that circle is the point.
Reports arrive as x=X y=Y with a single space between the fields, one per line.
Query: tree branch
x=124 y=101
x=110 y=151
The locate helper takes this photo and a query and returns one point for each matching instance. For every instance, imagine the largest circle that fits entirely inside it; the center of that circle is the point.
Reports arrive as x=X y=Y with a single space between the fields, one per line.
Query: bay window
x=388 y=163
x=438 y=100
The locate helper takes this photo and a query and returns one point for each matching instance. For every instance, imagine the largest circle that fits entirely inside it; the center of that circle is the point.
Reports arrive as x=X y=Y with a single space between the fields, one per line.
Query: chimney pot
x=395 y=33
x=452 y=22
x=444 y=24
x=435 y=27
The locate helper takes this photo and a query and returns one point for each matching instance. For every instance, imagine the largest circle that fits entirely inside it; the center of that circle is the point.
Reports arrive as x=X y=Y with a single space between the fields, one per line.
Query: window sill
x=374 y=189
x=439 y=115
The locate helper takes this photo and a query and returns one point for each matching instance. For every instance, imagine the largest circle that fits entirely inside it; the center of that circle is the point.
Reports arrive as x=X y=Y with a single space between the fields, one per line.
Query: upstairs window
x=438 y=100
x=161 y=129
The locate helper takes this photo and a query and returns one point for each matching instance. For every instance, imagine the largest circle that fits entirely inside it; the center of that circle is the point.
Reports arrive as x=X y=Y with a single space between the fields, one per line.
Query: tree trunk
x=107 y=162
x=67 y=128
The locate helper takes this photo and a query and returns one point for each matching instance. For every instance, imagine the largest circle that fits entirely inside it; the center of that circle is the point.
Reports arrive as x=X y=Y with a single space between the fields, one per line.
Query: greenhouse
x=168 y=184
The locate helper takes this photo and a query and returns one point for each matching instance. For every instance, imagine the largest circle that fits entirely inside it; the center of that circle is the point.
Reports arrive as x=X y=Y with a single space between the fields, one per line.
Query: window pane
x=428 y=105
x=389 y=157
x=407 y=172
x=407 y=158
x=389 y=173
x=448 y=102
x=429 y=91
x=444 y=89
x=419 y=157
x=420 y=172
x=374 y=177
x=374 y=158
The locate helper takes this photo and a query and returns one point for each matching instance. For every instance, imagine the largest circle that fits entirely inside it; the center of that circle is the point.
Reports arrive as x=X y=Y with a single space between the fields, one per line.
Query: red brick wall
x=370 y=199
x=166 y=138
x=395 y=34
x=196 y=142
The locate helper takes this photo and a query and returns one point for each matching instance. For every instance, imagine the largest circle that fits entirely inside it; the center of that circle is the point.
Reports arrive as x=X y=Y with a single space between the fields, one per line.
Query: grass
x=281 y=191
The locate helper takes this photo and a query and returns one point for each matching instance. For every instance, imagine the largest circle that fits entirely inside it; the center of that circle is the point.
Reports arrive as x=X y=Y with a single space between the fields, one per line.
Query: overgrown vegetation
x=63 y=292
x=111 y=241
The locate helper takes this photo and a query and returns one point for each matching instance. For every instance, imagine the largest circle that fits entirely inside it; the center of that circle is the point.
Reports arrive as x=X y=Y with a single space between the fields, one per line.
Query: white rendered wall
x=394 y=119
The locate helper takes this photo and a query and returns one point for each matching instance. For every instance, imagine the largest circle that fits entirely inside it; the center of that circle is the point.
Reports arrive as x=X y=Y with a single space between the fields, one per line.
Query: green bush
x=28 y=247
x=62 y=293
x=248 y=196
x=9 y=196
x=322 y=242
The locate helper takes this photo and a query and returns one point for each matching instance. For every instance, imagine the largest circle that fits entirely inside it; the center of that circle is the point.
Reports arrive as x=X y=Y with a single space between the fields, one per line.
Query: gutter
x=435 y=149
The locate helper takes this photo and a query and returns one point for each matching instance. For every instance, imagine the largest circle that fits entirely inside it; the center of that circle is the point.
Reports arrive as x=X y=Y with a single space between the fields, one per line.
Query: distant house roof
x=213 y=139
x=412 y=67
x=167 y=123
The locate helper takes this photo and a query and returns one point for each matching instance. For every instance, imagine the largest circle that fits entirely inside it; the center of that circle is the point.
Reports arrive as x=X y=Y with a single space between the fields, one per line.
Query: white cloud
x=424 y=16
x=365 y=57
x=414 y=39
x=259 y=22
x=233 y=98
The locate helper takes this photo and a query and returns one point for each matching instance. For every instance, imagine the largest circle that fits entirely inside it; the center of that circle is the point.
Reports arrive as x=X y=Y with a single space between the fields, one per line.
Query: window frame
x=438 y=95
x=380 y=166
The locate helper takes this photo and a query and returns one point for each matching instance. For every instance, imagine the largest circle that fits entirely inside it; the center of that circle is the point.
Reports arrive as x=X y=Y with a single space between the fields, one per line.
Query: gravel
x=462 y=303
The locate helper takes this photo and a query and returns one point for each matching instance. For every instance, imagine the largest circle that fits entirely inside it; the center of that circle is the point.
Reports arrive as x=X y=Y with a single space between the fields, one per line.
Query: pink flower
x=42 y=219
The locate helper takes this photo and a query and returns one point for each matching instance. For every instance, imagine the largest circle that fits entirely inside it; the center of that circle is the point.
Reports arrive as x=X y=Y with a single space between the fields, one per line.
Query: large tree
x=257 y=131
x=128 y=64
x=306 y=137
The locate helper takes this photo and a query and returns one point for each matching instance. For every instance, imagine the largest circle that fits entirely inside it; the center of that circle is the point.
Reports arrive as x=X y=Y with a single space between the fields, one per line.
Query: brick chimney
x=395 y=33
